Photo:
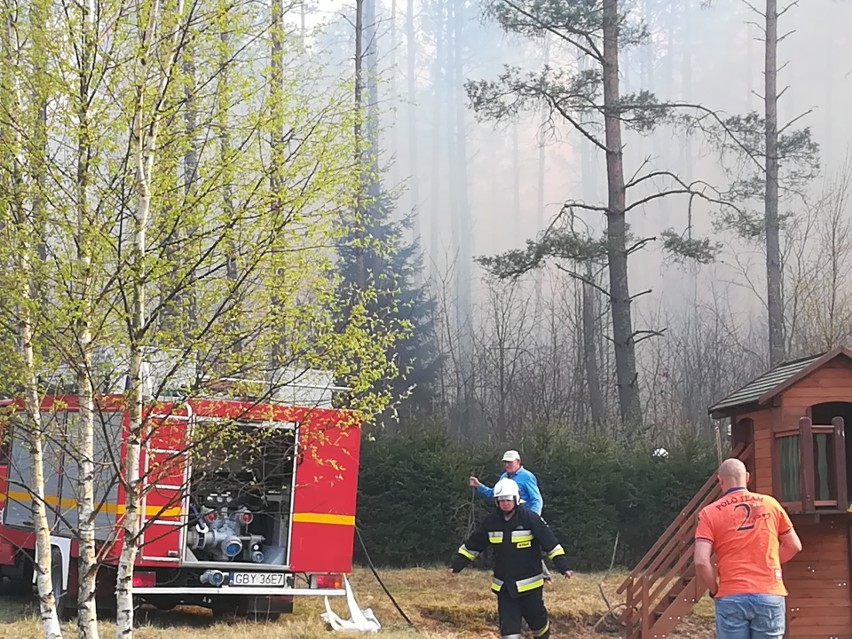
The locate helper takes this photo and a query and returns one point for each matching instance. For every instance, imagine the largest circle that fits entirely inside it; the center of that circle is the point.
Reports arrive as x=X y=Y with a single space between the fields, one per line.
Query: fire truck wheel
x=18 y=580
x=225 y=608
x=232 y=608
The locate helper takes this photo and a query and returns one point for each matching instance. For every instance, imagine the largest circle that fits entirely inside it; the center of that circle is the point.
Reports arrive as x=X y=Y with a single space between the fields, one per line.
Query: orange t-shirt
x=744 y=527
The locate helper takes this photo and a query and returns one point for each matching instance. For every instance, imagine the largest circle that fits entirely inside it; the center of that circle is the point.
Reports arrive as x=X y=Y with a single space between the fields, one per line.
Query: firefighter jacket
x=517 y=543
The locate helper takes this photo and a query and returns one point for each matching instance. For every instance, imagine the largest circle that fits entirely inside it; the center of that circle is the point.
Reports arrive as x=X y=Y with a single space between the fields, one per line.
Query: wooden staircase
x=663 y=587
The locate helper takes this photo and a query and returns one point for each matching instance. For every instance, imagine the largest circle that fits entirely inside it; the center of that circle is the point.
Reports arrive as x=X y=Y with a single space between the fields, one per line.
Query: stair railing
x=667 y=569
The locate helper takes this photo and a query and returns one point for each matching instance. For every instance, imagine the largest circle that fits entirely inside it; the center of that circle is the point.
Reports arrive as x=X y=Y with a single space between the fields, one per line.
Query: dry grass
x=441 y=607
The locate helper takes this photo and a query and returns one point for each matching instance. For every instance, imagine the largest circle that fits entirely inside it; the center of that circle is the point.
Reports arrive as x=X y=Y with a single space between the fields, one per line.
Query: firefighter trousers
x=529 y=607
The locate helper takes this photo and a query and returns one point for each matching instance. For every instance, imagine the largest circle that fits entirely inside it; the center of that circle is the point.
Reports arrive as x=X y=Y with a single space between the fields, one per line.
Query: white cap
x=511 y=455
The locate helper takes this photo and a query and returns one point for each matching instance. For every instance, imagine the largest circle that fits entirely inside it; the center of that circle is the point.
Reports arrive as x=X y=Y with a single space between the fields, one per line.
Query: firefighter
x=518 y=537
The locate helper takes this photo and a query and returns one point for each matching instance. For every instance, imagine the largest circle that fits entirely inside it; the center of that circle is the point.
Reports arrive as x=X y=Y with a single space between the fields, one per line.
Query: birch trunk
x=144 y=132
x=87 y=619
x=35 y=432
x=132 y=480
x=35 y=435
x=44 y=567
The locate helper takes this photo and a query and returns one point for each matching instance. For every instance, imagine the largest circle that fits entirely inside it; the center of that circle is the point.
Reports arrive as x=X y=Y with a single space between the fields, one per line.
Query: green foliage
x=246 y=179
x=559 y=243
x=741 y=141
x=415 y=506
x=398 y=305
x=414 y=503
x=701 y=250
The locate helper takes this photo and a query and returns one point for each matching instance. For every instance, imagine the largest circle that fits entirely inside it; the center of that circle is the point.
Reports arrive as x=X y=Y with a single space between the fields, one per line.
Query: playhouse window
x=788 y=450
x=822 y=447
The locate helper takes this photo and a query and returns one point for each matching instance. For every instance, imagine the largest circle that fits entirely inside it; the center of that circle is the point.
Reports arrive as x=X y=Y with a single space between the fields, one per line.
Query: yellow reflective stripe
x=522 y=535
x=110 y=508
x=495 y=537
x=464 y=551
x=538 y=583
x=530 y=583
x=539 y=633
x=558 y=550
x=324 y=518
x=496 y=584
x=520 y=538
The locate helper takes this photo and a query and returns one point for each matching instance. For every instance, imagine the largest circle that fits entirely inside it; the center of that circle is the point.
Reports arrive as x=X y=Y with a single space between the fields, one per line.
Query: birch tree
x=113 y=246
x=82 y=285
x=22 y=224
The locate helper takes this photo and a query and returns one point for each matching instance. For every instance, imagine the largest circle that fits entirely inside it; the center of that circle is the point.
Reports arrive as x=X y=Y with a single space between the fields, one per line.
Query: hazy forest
x=493 y=145
x=488 y=222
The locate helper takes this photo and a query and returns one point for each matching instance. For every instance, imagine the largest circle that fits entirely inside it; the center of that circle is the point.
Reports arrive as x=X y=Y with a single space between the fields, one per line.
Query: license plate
x=257 y=579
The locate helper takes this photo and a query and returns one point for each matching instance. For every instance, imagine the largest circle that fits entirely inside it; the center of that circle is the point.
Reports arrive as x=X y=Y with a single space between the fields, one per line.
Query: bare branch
x=584 y=279
x=794 y=120
x=641 y=293
x=647 y=334
x=639 y=245
x=753 y=8
x=795 y=3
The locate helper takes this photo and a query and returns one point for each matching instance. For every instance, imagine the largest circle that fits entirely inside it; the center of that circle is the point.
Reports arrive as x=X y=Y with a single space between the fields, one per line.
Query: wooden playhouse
x=791 y=427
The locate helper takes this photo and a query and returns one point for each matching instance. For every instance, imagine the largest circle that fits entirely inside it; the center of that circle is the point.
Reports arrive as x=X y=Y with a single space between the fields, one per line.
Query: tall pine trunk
x=590 y=304
x=460 y=204
x=622 y=323
x=411 y=79
x=773 y=243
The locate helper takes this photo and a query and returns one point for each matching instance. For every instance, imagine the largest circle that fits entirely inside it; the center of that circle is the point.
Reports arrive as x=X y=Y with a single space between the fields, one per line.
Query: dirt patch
x=473 y=620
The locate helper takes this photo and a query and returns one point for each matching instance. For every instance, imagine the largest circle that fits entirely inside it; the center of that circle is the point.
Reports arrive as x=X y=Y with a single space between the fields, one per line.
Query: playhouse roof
x=762 y=389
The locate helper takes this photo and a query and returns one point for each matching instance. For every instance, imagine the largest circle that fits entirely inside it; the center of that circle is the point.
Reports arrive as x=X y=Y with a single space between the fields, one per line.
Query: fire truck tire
x=232 y=608
x=225 y=608
x=18 y=580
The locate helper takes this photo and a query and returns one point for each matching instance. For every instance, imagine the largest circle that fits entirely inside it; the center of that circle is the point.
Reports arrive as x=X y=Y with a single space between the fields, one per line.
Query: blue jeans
x=750 y=616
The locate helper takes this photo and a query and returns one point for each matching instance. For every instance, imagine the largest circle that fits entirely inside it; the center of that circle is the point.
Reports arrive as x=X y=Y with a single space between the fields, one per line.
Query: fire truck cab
x=246 y=505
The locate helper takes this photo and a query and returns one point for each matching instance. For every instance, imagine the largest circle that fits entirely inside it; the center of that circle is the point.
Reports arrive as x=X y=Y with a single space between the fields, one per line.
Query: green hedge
x=415 y=506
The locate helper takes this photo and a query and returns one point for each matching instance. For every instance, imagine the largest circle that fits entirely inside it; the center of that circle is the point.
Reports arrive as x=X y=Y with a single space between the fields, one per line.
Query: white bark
x=87 y=618
x=34 y=425
x=43 y=568
x=145 y=128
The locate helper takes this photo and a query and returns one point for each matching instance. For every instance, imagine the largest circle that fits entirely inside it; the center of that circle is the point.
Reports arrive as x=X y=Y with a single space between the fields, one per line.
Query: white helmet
x=507 y=489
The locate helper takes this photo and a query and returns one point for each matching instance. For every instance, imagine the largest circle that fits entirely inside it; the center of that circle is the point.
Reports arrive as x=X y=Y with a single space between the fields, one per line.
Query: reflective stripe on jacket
x=517 y=544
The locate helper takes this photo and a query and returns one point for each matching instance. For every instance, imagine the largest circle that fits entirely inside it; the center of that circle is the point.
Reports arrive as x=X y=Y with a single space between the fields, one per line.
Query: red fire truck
x=246 y=505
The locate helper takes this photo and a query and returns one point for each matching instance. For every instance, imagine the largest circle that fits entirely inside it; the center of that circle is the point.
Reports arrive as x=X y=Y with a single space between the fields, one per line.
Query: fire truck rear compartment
x=239 y=496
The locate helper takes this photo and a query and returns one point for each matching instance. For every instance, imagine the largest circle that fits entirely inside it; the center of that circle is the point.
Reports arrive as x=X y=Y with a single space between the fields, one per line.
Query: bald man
x=751 y=536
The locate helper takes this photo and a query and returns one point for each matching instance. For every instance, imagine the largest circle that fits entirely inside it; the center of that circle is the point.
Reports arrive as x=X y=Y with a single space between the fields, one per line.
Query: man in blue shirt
x=527 y=482
x=527 y=485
